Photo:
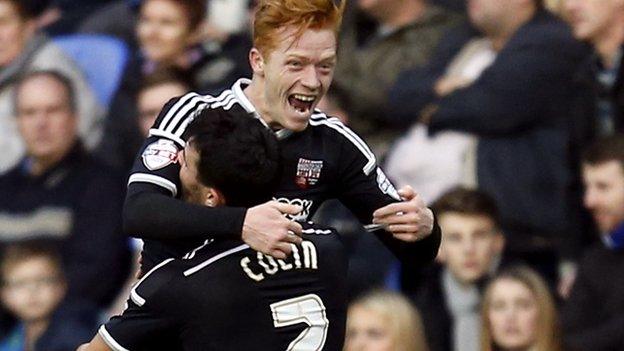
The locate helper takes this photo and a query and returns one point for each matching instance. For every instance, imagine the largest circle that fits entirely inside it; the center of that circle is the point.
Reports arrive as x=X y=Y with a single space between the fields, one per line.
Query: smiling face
x=604 y=193
x=164 y=30
x=593 y=19
x=295 y=75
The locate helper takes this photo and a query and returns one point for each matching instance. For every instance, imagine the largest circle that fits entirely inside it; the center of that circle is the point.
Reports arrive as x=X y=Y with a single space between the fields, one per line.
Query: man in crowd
x=519 y=110
x=593 y=315
x=60 y=193
x=471 y=248
x=601 y=23
x=404 y=35
x=25 y=50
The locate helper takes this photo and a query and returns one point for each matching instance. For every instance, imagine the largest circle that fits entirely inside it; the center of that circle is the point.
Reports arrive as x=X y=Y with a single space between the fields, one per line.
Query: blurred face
x=15 y=32
x=45 y=119
x=367 y=331
x=33 y=289
x=592 y=19
x=487 y=15
x=513 y=315
x=295 y=76
x=470 y=244
x=152 y=100
x=378 y=9
x=604 y=194
x=192 y=190
x=163 y=30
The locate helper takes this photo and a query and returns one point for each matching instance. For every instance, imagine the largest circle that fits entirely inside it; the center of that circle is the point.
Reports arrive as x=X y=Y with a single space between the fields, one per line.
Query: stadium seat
x=102 y=58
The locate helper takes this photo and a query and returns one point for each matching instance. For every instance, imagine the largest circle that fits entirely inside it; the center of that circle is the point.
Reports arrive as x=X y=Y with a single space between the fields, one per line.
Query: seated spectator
x=33 y=288
x=210 y=66
x=25 y=50
x=450 y=295
x=59 y=192
x=156 y=89
x=384 y=321
x=593 y=315
x=519 y=313
x=519 y=110
x=404 y=36
x=124 y=139
x=601 y=23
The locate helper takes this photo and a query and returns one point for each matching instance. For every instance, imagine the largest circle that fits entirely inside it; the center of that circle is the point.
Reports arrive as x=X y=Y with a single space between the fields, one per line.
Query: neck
x=33 y=331
x=405 y=13
x=609 y=43
x=501 y=35
x=255 y=93
x=41 y=164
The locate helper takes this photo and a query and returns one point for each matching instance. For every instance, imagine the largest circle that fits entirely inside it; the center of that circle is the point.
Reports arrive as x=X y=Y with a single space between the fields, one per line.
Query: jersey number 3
x=308 y=309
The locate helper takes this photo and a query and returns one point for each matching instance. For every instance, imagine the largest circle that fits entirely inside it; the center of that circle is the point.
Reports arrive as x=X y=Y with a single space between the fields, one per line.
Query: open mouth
x=301 y=103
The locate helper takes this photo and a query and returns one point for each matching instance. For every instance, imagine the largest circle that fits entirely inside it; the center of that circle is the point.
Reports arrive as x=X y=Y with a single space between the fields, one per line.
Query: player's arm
x=402 y=221
x=152 y=209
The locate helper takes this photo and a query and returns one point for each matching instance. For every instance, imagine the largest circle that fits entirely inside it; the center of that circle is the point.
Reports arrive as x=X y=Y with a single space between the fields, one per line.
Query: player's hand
x=267 y=230
x=408 y=220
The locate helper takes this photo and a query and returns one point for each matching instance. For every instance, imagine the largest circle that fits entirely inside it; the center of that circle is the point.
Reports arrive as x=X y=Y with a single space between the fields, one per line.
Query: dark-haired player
x=223 y=295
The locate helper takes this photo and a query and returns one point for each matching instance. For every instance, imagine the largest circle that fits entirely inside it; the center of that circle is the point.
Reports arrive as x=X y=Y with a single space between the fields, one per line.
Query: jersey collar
x=237 y=89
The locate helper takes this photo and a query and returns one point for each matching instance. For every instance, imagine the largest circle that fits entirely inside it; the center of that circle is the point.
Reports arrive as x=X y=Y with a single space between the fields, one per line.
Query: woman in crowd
x=518 y=313
x=384 y=321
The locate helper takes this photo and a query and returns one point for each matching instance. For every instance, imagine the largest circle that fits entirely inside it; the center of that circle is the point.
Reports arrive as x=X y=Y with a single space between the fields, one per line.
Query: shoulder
x=546 y=28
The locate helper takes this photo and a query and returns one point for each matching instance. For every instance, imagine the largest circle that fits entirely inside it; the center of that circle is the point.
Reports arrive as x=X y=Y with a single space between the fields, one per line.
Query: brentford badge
x=308 y=172
x=160 y=154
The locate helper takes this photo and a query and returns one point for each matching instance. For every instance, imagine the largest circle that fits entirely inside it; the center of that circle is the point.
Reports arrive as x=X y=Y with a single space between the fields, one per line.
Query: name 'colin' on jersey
x=325 y=161
x=226 y=296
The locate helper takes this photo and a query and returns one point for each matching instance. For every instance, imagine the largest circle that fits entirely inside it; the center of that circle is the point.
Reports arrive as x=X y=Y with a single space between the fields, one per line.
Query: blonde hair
x=273 y=16
x=548 y=336
x=406 y=327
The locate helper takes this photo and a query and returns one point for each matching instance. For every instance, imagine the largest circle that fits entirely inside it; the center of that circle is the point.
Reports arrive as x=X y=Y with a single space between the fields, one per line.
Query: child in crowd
x=33 y=289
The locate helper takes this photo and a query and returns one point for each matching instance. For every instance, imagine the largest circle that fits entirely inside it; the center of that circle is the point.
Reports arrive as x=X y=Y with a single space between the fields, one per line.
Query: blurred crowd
x=504 y=115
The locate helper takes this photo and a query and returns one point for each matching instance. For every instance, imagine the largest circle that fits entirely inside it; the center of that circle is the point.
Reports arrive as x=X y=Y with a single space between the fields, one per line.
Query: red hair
x=273 y=16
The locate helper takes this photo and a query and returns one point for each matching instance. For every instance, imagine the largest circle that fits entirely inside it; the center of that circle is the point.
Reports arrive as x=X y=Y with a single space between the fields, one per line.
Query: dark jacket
x=593 y=316
x=76 y=204
x=519 y=108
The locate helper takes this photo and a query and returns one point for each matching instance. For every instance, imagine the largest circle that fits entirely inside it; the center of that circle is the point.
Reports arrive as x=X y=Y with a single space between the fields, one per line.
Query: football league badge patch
x=160 y=154
x=308 y=172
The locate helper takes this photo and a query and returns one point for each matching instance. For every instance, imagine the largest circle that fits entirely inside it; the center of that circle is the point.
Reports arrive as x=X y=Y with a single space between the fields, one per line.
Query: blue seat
x=102 y=58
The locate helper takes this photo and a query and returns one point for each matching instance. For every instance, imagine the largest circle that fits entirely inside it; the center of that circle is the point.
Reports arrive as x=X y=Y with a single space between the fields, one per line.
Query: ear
x=499 y=242
x=256 y=60
x=214 y=198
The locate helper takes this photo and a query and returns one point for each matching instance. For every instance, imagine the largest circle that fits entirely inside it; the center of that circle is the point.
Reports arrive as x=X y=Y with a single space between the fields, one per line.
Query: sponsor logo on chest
x=308 y=172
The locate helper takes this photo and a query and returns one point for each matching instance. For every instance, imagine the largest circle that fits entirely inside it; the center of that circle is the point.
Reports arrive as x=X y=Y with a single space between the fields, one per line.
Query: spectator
x=593 y=315
x=519 y=109
x=384 y=321
x=601 y=23
x=211 y=66
x=33 y=288
x=519 y=313
x=406 y=32
x=25 y=50
x=470 y=250
x=59 y=192
x=154 y=90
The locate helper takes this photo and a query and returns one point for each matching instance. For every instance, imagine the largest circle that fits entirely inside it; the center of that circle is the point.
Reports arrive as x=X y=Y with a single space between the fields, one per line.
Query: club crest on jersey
x=160 y=154
x=308 y=172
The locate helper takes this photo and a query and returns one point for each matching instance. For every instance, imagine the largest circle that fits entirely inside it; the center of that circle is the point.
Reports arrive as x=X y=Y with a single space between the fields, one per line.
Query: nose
x=310 y=78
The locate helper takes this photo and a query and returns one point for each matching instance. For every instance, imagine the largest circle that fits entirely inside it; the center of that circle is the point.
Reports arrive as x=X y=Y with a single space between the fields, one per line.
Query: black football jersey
x=225 y=296
x=325 y=161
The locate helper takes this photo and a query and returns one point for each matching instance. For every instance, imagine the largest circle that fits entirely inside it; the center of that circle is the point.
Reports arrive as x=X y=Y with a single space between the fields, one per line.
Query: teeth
x=304 y=97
